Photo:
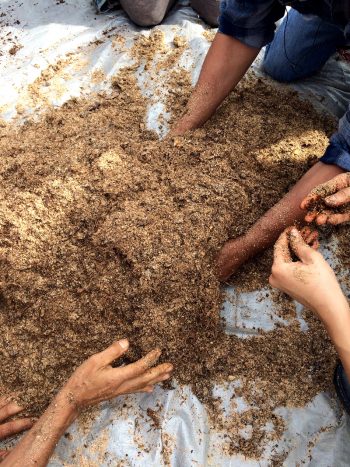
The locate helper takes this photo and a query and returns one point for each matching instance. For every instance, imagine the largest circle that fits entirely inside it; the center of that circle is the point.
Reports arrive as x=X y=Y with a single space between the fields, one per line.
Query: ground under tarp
x=316 y=434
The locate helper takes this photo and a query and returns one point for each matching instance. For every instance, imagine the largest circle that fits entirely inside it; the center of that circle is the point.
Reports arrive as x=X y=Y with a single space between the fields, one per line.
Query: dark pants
x=301 y=46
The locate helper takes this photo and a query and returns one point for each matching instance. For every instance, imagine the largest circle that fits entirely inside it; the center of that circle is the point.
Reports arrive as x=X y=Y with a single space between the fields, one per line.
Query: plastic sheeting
x=122 y=433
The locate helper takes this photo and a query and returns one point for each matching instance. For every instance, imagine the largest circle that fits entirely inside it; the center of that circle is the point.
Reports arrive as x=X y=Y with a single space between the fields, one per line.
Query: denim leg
x=301 y=46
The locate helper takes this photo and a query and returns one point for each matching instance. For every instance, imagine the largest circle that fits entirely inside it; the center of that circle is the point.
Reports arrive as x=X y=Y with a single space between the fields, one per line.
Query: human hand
x=9 y=408
x=237 y=251
x=182 y=126
x=310 y=281
x=178 y=129
x=96 y=381
x=334 y=194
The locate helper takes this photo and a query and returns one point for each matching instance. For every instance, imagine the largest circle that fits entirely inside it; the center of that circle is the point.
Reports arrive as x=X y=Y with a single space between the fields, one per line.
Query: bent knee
x=144 y=14
x=209 y=10
x=279 y=70
x=282 y=72
x=147 y=20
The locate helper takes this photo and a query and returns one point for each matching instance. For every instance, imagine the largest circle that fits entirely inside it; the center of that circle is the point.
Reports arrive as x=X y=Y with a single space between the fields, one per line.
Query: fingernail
x=169 y=368
x=294 y=232
x=124 y=343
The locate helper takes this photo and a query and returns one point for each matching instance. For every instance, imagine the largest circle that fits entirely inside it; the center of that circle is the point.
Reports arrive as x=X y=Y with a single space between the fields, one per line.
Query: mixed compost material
x=107 y=232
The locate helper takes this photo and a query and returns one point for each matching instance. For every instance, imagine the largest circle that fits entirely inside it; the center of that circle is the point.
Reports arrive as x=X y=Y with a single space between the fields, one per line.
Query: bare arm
x=37 y=445
x=227 y=61
x=266 y=230
x=93 y=382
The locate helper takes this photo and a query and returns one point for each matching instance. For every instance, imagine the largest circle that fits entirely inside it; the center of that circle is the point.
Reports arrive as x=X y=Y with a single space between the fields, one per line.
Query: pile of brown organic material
x=106 y=232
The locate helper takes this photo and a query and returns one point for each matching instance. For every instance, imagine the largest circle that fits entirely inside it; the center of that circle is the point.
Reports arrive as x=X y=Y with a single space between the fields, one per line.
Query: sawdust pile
x=105 y=232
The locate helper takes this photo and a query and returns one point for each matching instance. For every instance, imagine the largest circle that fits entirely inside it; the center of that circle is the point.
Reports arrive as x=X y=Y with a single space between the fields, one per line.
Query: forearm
x=225 y=64
x=287 y=211
x=36 y=447
x=337 y=323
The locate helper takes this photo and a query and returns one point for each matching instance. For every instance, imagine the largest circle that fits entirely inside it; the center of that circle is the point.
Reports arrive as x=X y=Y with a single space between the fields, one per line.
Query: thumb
x=281 y=248
x=300 y=248
x=114 y=351
x=339 y=198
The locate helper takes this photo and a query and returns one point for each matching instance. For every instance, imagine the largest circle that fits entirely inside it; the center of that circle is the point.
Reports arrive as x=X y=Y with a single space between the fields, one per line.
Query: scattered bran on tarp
x=106 y=232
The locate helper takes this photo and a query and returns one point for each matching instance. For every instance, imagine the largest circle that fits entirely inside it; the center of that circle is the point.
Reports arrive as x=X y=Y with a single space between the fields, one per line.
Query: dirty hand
x=96 y=380
x=180 y=127
x=334 y=193
x=9 y=408
x=310 y=281
x=237 y=251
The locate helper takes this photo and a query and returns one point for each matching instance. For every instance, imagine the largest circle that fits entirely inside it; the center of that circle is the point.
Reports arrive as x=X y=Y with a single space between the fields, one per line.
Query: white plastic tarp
x=122 y=434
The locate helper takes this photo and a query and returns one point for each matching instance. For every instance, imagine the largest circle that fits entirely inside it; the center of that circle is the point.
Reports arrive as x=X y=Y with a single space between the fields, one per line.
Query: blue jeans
x=301 y=46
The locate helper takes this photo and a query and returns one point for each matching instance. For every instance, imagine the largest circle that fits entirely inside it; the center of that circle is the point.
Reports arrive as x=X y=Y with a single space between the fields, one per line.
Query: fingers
x=153 y=376
x=310 y=236
x=311 y=216
x=328 y=217
x=281 y=249
x=341 y=182
x=14 y=427
x=146 y=389
x=310 y=199
x=339 y=198
x=322 y=217
x=336 y=219
x=326 y=189
x=299 y=243
x=136 y=369
x=8 y=410
x=4 y=401
x=148 y=378
x=314 y=244
x=300 y=248
x=114 y=351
